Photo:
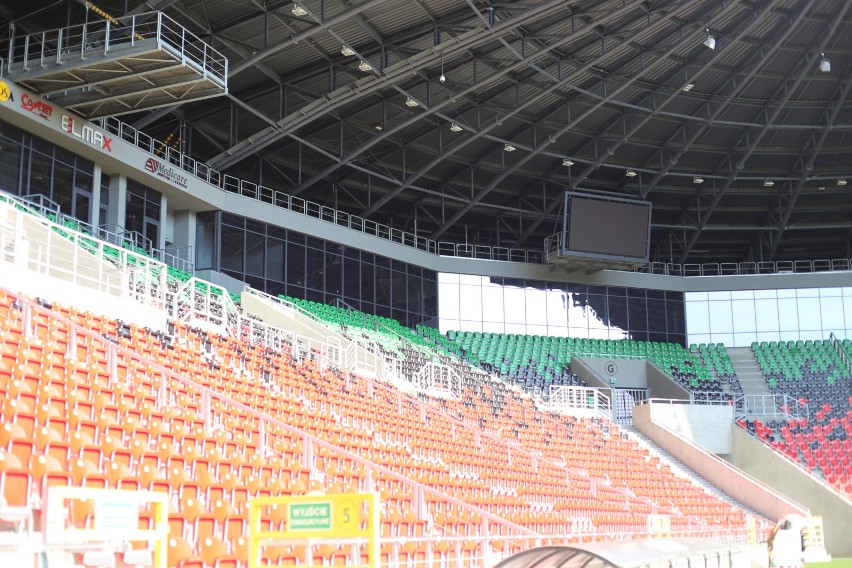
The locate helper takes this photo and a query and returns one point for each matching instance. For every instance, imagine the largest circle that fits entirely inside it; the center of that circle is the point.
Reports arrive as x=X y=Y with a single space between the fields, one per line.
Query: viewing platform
x=115 y=66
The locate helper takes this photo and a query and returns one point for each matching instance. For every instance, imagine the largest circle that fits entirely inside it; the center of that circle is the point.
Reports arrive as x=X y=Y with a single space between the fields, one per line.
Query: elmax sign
x=86 y=133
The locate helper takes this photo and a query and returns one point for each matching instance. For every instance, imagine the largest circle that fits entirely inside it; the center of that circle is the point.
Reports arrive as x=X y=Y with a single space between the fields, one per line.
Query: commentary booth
x=661 y=553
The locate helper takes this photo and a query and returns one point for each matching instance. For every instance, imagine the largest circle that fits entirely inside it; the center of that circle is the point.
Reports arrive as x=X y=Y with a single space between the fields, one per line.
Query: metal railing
x=100 y=36
x=841 y=352
x=37 y=244
x=42 y=206
x=564 y=398
x=301 y=206
x=770 y=406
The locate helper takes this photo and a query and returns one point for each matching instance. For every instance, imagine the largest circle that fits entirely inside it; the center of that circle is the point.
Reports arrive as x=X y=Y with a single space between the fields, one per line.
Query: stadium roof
x=466 y=120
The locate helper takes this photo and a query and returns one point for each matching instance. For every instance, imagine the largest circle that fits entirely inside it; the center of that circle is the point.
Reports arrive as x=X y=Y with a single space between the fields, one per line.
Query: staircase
x=748 y=371
x=684 y=472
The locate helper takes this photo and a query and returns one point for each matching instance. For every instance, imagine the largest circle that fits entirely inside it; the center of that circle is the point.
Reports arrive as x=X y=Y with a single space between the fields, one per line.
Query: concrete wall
x=661 y=385
x=735 y=482
x=709 y=426
x=281 y=316
x=763 y=463
x=628 y=373
x=621 y=373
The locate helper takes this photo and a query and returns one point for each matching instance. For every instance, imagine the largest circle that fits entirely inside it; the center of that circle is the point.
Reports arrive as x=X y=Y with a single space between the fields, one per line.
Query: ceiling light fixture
x=364 y=66
x=442 y=78
x=347 y=51
x=698 y=179
x=299 y=11
x=378 y=127
x=710 y=42
x=768 y=183
x=824 y=63
x=841 y=182
x=409 y=102
x=455 y=127
x=631 y=173
x=688 y=87
x=508 y=148
x=567 y=162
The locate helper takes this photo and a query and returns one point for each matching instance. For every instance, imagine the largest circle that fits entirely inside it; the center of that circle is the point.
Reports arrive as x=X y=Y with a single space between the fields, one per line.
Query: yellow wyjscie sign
x=348 y=519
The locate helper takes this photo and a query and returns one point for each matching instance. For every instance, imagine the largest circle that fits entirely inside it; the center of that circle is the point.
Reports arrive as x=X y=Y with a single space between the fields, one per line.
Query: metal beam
x=568 y=127
x=372 y=84
x=844 y=89
x=805 y=68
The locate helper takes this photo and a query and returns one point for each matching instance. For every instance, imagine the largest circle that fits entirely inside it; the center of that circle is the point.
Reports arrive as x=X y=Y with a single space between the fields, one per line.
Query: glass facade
x=30 y=165
x=143 y=213
x=279 y=261
x=740 y=317
x=500 y=305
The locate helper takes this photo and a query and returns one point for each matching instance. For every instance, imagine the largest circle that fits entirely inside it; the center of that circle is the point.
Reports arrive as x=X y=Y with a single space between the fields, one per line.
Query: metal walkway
x=115 y=66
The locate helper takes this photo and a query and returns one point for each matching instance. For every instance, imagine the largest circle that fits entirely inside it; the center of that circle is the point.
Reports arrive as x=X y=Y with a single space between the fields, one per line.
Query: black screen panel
x=608 y=228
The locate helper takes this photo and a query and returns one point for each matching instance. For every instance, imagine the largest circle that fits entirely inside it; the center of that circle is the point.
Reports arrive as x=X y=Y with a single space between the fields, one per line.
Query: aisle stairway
x=682 y=471
x=751 y=377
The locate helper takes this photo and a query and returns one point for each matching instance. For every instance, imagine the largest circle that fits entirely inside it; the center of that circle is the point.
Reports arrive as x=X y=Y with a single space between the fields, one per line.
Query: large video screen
x=607 y=227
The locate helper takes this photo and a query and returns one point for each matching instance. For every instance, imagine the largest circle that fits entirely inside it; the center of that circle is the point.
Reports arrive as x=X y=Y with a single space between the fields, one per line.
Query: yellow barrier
x=348 y=518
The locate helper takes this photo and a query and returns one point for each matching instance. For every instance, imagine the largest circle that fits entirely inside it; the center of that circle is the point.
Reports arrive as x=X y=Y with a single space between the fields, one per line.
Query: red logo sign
x=38 y=108
x=167 y=172
x=86 y=133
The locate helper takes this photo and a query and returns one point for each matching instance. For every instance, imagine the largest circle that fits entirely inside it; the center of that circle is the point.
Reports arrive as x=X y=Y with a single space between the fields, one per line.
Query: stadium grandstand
x=425 y=283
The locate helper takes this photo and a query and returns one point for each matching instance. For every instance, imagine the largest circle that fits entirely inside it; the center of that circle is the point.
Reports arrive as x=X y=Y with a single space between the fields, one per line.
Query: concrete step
x=682 y=471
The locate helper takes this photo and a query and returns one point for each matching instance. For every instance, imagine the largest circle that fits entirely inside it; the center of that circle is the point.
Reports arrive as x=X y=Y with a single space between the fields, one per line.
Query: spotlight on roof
x=631 y=173
x=841 y=182
x=688 y=87
x=768 y=183
x=508 y=148
x=710 y=42
x=364 y=66
x=299 y=11
x=455 y=127
x=824 y=63
x=698 y=179
x=567 y=162
x=347 y=51
x=409 y=102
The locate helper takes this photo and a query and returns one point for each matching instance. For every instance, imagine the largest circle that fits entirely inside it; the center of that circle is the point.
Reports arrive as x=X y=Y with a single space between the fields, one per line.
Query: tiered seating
x=96 y=419
x=536 y=362
x=814 y=374
x=714 y=357
x=803 y=368
x=530 y=362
